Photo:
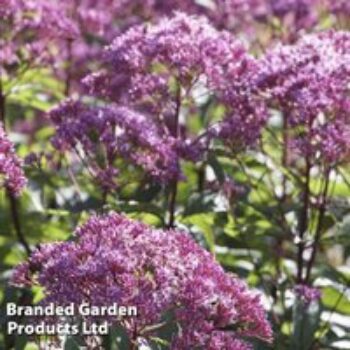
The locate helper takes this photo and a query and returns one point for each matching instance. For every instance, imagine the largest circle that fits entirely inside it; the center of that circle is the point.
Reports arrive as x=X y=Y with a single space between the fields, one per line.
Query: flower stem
x=318 y=233
x=17 y=223
x=68 y=80
x=174 y=183
x=303 y=223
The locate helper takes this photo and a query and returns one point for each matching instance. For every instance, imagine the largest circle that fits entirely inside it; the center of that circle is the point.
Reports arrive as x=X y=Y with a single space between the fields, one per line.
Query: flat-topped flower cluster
x=117 y=260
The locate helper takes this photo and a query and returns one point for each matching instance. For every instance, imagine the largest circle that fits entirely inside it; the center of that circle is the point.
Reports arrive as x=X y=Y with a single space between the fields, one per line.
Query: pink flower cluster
x=118 y=260
x=113 y=133
x=11 y=173
x=152 y=76
x=147 y=61
x=309 y=83
x=81 y=28
x=157 y=70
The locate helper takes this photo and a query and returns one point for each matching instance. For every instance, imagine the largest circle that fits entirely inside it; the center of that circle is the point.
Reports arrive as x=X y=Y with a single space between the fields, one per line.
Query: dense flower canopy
x=152 y=77
x=11 y=173
x=115 y=259
x=222 y=125
x=80 y=29
x=28 y=27
x=158 y=68
x=183 y=48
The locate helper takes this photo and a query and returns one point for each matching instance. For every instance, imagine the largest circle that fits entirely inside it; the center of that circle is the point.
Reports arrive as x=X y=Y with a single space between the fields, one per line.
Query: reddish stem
x=318 y=232
x=174 y=183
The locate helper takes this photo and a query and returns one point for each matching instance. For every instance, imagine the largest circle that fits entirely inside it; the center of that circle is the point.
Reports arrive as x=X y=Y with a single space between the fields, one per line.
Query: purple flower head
x=117 y=260
x=11 y=173
x=116 y=133
x=146 y=59
x=307 y=294
x=156 y=69
x=150 y=82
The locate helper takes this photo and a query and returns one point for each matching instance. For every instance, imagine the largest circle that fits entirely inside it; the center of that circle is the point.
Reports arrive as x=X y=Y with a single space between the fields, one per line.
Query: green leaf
x=335 y=300
x=205 y=223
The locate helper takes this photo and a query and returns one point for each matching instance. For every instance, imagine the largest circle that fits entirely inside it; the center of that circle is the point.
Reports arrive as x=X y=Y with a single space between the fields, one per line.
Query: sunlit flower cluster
x=309 y=82
x=207 y=115
x=307 y=294
x=114 y=259
x=151 y=83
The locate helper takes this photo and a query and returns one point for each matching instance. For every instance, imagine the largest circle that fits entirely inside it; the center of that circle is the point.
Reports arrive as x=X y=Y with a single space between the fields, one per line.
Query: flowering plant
x=186 y=158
